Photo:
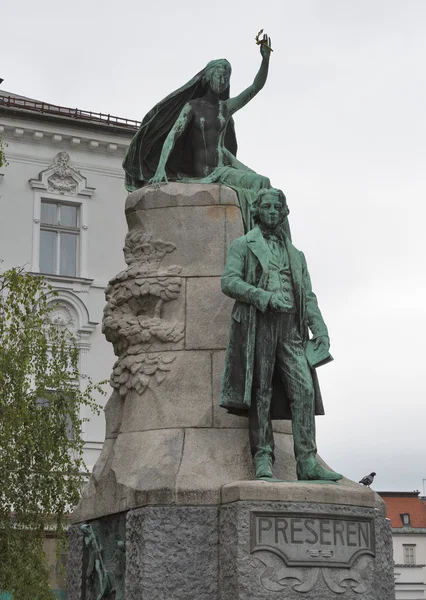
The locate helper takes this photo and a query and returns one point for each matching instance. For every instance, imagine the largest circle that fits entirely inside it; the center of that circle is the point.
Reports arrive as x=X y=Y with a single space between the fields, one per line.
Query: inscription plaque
x=307 y=540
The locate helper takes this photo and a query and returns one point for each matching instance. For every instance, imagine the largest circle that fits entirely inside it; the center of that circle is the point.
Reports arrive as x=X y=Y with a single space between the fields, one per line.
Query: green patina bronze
x=190 y=136
x=267 y=374
x=104 y=577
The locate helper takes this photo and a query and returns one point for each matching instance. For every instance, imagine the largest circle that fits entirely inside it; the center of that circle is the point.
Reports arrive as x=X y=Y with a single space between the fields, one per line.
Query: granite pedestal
x=261 y=541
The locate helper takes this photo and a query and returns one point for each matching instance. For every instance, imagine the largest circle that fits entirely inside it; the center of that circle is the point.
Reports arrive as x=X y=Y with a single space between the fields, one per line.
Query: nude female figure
x=189 y=136
x=207 y=119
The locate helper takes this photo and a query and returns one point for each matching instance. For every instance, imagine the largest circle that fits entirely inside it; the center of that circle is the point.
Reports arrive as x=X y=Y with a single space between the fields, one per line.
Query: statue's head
x=270 y=207
x=217 y=75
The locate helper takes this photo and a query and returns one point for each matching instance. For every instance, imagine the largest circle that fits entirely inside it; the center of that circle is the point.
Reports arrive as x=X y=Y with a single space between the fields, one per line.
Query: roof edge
x=414 y=494
x=46 y=109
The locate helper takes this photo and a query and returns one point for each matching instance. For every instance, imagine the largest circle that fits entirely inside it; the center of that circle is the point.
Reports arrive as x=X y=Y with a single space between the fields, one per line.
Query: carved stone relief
x=299 y=551
x=133 y=316
x=61 y=316
x=61 y=181
x=275 y=576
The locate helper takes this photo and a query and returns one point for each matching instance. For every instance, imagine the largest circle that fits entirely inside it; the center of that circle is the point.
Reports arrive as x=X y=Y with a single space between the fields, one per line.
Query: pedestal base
x=265 y=541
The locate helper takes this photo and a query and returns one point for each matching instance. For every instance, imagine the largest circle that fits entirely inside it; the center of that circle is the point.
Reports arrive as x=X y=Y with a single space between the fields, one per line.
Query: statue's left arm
x=242 y=99
x=314 y=317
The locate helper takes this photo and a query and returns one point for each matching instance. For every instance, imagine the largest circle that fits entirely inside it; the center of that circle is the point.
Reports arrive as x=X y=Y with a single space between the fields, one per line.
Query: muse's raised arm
x=242 y=99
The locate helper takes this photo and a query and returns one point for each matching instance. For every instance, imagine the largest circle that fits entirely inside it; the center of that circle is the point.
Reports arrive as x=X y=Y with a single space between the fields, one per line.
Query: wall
x=410 y=581
x=95 y=157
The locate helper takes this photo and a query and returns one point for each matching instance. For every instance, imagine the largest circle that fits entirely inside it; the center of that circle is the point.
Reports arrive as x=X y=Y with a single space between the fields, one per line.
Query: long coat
x=244 y=279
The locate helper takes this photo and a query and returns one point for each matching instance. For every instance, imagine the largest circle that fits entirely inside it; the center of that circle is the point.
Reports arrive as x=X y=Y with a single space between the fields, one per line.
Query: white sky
x=340 y=126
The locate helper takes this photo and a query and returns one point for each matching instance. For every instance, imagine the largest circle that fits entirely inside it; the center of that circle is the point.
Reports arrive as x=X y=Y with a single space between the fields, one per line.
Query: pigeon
x=368 y=479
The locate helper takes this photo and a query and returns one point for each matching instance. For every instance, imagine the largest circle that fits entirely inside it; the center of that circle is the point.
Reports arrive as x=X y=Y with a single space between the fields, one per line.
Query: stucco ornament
x=61 y=178
x=133 y=316
x=61 y=316
x=62 y=181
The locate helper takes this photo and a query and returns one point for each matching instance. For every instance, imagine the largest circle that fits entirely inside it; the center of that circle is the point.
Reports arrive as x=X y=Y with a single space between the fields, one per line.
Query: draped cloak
x=143 y=155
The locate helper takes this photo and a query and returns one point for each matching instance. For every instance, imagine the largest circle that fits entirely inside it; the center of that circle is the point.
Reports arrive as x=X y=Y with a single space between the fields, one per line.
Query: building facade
x=407 y=513
x=62 y=215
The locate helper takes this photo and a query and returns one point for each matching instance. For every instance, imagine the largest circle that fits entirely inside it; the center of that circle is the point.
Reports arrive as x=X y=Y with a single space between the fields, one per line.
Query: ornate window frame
x=71 y=312
x=61 y=183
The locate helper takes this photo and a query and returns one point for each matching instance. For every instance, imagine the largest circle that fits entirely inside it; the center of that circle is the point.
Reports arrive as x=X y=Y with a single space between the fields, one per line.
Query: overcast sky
x=340 y=126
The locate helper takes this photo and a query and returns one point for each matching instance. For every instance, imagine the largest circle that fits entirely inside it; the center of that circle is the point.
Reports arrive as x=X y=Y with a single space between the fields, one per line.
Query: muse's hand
x=265 y=46
x=159 y=178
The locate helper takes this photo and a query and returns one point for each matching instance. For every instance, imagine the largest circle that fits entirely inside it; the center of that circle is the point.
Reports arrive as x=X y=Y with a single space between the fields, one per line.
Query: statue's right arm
x=233 y=283
x=176 y=131
x=242 y=99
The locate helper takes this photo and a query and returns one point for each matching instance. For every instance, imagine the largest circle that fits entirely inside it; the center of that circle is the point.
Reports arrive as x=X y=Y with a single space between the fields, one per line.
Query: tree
x=3 y=161
x=41 y=447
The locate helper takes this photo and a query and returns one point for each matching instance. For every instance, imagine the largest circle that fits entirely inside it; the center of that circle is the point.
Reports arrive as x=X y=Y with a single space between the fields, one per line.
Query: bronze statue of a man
x=267 y=374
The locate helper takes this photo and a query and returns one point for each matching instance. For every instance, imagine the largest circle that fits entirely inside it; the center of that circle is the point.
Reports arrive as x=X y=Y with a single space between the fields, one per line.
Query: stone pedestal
x=171 y=507
x=304 y=540
x=167 y=441
x=261 y=541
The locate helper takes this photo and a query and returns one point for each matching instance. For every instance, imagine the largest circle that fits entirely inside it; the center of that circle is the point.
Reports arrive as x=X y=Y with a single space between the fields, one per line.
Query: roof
x=12 y=95
x=399 y=503
x=23 y=104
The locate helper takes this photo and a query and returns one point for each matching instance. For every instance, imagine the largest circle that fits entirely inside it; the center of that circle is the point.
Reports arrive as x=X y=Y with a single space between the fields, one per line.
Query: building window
x=409 y=554
x=59 y=237
x=405 y=518
x=44 y=404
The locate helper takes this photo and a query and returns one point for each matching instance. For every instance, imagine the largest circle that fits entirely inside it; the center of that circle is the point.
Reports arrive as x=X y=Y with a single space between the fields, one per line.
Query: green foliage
x=40 y=460
x=3 y=161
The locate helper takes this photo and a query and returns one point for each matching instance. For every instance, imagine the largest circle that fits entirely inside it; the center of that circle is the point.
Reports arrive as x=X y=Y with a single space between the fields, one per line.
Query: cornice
x=409 y=530
x=71 y=120
x=403 y=566
x=32 y=160
x=91 y=142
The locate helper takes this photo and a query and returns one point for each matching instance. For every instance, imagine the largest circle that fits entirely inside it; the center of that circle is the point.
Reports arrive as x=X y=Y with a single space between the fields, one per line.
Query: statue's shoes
x=319 y=473
x=263 y=466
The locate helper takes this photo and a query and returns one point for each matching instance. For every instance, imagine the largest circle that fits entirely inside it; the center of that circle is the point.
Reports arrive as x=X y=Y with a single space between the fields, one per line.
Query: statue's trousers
x=279 y=349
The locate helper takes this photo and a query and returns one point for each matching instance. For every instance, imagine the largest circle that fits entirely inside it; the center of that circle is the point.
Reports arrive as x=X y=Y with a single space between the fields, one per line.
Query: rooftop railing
x=70 y=113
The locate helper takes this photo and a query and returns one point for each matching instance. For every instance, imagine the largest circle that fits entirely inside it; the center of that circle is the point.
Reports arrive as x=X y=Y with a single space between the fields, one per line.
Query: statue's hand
x=277 y=303
x=159 y=177
x=265 y=46
x=322 y=339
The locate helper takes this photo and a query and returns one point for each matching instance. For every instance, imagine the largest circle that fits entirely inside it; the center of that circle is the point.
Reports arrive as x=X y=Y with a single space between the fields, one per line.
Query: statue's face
x=219 y=79
x=271 y=211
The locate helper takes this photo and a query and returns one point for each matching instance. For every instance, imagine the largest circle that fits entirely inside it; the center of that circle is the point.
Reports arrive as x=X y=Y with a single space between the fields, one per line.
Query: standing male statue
x=267 y=374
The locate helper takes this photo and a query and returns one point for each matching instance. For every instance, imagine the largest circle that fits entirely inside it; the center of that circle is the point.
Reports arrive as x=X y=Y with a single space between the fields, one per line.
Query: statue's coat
x=244 y=279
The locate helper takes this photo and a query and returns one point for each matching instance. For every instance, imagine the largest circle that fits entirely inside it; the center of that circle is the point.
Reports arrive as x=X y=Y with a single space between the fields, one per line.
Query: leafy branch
x=3 y=161
x=41 y=446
